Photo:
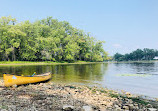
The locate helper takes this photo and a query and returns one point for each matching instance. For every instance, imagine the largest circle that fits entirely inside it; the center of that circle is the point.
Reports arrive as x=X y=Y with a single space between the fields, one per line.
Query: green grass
x=137 y=100
x=17 y=62
x=42 y=62
x=4 y=107
x=115 y=94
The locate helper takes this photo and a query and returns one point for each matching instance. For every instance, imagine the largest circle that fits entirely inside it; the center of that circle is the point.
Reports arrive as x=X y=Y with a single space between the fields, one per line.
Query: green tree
x=137 y=55
x=118 y=57
x=47 y=40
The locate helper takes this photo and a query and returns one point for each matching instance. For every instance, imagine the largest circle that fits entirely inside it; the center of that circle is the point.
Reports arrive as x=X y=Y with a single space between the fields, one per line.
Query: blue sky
x=124 y=25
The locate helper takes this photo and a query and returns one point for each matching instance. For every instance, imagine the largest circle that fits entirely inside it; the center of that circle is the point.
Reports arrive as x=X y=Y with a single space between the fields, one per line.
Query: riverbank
x=52 y=97
x=8 y=63
x=142 y=61
x=5 y=63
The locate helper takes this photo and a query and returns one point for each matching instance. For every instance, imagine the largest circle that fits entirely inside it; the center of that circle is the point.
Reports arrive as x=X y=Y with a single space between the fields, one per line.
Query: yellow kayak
x=10 y=80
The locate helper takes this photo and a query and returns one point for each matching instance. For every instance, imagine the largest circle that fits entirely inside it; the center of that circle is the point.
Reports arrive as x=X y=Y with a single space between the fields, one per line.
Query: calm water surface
x=118 y=76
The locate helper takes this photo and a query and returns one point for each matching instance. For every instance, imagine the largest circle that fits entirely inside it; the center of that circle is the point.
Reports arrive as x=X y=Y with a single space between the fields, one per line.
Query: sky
x=124 y=25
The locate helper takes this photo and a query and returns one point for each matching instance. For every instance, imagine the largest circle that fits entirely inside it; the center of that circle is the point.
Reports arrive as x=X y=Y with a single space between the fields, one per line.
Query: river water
x=137 y=78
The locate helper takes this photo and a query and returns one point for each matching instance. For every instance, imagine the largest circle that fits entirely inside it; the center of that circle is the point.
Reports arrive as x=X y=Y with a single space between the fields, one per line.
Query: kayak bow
x=10 y=80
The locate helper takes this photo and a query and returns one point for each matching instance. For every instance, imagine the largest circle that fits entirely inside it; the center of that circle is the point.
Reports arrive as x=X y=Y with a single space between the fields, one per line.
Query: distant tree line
x=137 y=55
x=47 y=40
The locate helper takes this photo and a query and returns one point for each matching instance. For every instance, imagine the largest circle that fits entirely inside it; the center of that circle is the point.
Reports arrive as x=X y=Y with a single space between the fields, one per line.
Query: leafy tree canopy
x=137 y=55
x=47 y=40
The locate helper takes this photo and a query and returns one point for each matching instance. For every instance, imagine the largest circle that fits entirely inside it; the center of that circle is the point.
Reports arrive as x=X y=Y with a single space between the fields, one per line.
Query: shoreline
x=10 y=63
x=44 y=63
x=52 y=96
x=17 y=63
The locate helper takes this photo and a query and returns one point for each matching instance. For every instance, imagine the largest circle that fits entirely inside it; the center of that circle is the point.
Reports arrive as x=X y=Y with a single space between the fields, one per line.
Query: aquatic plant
x=139 y=75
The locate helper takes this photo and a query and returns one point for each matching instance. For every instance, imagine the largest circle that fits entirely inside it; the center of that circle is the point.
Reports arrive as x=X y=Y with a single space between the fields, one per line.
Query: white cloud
x=117 y=45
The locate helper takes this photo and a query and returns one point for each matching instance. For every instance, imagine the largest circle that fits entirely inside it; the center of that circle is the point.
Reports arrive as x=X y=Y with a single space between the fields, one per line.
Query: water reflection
x=62 y=73
x=146 y=85
x=144 y=67
x=79 y=73
x=150 y=67
x=105 y=74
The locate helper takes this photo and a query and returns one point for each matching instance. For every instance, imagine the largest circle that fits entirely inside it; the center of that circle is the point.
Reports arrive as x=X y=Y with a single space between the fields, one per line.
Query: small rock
x=152 y=109
x=3 y=110
x=96 y=108
x=149 y=105
x=87 y=108
x=126 y=107
x=116 y=106
x=130 y=101
x=136 y=107
x=118 y=109
x=128 y=94
x=97 y=92
x=1 y=83
x=131 y=106
x=39 y=101
x=68 y=108
x=49 y=102
x=48 y=98
x=14 y=86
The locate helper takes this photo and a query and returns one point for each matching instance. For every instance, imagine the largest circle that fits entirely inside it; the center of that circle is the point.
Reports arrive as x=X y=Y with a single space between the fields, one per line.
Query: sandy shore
x=60 y=97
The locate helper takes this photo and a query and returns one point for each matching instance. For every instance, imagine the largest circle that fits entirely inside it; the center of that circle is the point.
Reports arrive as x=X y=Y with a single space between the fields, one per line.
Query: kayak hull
x=10 y=80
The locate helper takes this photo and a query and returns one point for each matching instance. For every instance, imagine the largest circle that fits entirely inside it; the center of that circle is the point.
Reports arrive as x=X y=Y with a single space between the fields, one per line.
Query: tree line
x=47 y=40
x=137 y=55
